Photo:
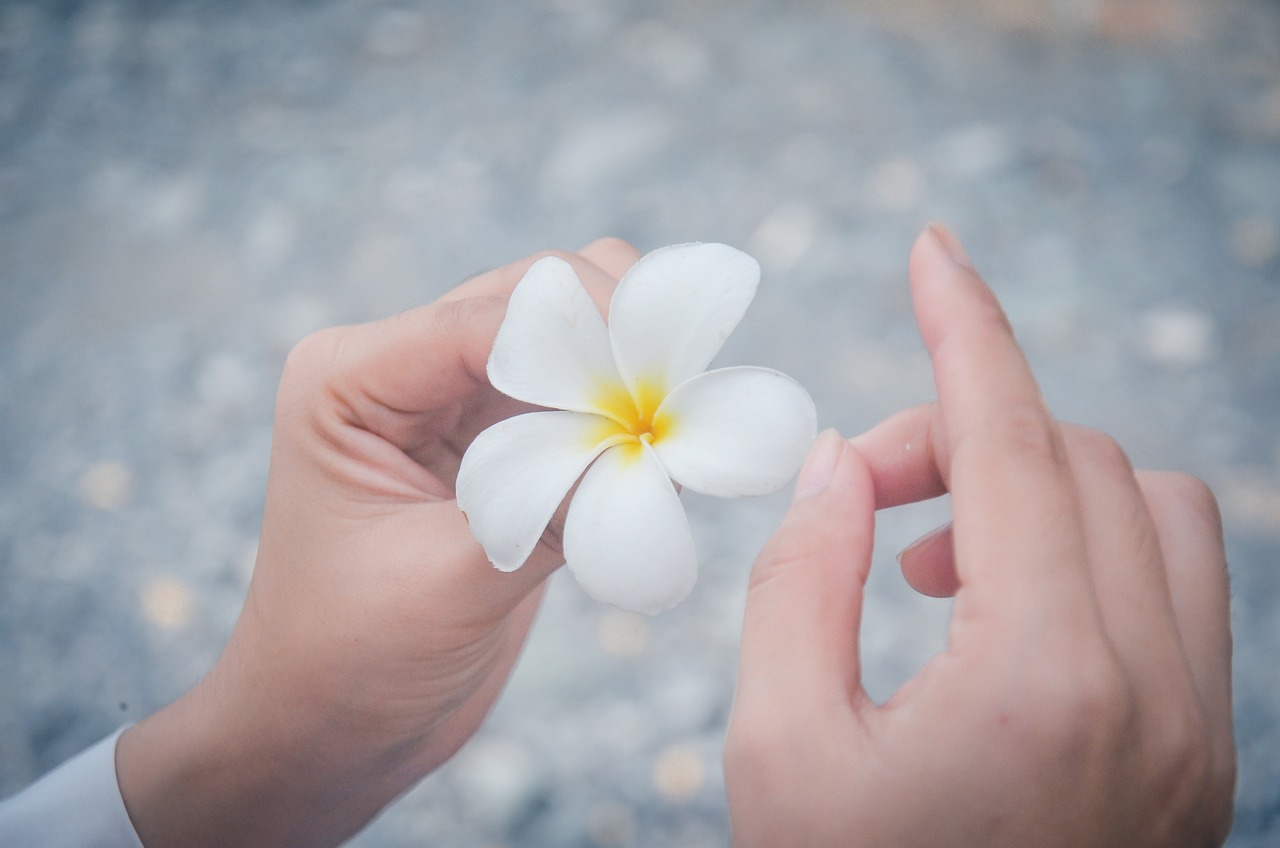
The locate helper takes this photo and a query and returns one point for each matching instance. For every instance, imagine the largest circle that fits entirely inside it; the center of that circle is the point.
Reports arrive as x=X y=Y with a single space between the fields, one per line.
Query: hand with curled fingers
x=1084 y=696
x=375 y=636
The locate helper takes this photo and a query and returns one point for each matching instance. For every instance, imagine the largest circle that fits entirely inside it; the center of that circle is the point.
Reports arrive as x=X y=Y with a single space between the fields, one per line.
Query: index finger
x=1018 y=529
x=427 y=358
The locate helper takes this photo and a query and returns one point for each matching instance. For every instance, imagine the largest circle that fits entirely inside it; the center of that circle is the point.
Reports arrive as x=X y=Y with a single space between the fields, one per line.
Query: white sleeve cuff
x=77 y=805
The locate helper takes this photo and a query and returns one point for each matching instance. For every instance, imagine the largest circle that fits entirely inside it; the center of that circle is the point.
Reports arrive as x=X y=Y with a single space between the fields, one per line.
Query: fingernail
x=820 y=465
x=951 y=246
x=924 y=540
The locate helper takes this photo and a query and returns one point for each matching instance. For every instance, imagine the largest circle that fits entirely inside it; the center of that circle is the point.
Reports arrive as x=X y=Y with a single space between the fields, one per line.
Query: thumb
x=804 y=601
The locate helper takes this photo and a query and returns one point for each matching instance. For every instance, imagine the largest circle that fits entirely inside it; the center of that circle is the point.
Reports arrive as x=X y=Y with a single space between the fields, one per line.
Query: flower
x=633 y=407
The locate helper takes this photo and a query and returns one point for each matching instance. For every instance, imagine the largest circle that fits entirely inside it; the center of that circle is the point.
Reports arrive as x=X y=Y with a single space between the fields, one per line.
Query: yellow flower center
x=633 y=416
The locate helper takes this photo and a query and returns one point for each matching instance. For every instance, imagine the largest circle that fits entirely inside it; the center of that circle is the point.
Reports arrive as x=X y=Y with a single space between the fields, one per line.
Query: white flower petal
x=552 y=348
x=516 y=473
x=736 y=431
x=626 y=537
x=672 y=312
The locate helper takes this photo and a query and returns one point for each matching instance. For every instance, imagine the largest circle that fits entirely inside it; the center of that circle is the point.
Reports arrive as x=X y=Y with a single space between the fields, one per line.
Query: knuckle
x=463 y=313
x=563 y=255
x=613 y=246
x=1027 y=432
x=313 y=359
x=782 y=557
x=1180 y=735
x=508 y=276
x=1094 y=448
x=312 y=380
x=1191 y=495
x=1180 y=759
x=469 y=317
x=1090 y=705
x=1103 y=698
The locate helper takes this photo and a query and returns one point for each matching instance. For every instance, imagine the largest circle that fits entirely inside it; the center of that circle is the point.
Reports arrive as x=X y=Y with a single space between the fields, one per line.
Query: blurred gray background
x=186 y=189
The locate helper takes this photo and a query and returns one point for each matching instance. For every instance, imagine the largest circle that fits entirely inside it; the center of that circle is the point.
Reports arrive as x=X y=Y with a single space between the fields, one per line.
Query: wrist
x=229 y=765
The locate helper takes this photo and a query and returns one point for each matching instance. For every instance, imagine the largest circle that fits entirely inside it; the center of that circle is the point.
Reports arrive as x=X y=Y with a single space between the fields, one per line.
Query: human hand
x=1084 y=697
x=376 y=635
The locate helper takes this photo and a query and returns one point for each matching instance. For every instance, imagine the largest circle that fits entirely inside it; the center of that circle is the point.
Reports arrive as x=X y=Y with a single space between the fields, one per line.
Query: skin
x=1084 y=697
x=376 y=635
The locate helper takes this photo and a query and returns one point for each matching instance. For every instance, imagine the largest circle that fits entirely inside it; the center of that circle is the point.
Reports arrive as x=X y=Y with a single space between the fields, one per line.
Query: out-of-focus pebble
x=107 y=486
x=621 y=633
x=167 y=603
x=1177 y=336
x=678 y=773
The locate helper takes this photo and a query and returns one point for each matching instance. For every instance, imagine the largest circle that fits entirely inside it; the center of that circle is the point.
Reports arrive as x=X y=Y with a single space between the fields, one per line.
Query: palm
x=428 y=657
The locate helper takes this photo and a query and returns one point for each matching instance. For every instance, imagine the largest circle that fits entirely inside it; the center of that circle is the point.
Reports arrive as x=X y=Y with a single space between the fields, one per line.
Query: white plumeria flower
x=633 y=407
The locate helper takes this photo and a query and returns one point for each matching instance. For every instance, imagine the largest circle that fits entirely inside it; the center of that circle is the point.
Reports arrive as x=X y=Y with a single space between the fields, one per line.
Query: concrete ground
x=188 y=188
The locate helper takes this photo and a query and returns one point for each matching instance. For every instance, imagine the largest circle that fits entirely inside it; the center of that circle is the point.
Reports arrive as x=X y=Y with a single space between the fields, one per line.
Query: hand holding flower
x=376 y=635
